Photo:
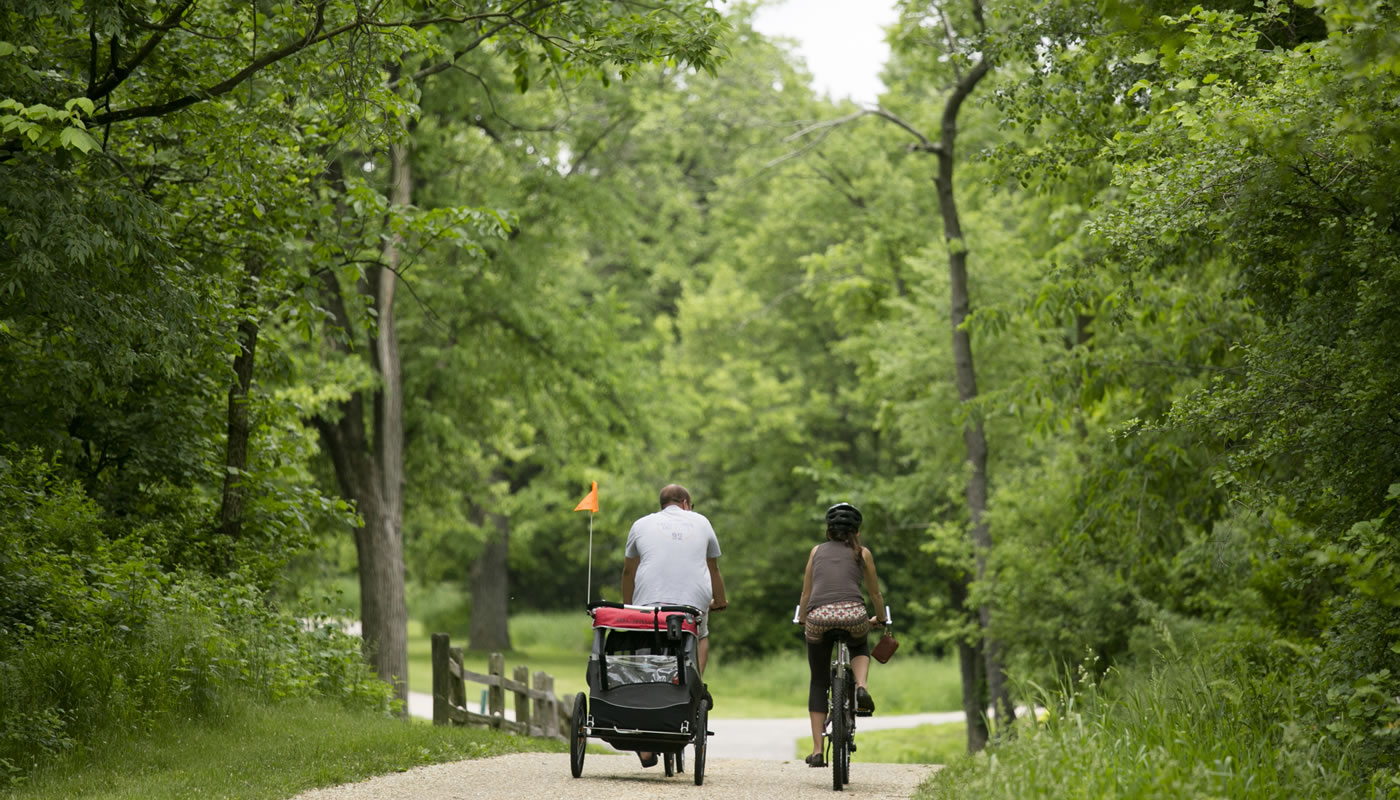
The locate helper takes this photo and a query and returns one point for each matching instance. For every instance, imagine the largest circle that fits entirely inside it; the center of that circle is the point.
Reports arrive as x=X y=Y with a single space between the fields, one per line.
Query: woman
x=831 y=600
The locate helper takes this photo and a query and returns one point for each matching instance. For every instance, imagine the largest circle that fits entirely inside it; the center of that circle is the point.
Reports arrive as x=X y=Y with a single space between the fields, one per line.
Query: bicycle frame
x=840 y=729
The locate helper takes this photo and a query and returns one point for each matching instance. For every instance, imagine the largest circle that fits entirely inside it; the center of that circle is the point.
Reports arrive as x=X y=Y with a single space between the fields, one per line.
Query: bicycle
x=841 y=712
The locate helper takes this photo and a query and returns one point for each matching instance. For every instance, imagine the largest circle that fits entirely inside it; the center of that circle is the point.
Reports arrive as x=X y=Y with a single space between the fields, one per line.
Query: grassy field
x=924 y=744
x=558 y=643
x=261 y=752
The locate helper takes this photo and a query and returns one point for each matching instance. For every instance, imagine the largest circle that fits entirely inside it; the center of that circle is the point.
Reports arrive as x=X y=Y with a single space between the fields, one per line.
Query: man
x=672 y=558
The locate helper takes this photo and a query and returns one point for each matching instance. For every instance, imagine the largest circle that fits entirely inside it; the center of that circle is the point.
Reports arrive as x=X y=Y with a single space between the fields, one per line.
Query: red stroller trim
x=631 y=619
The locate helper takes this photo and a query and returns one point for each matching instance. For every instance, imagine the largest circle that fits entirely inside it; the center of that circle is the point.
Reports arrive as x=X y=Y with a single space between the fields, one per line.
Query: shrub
x=96 y=639
x=1234 y=719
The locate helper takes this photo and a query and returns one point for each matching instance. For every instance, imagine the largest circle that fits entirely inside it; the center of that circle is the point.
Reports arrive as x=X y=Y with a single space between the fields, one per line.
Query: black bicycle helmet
x=843 y=515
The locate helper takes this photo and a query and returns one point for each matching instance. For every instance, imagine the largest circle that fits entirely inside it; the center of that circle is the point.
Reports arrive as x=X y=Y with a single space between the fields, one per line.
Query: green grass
x=923 y=744
x=777 y=686
x=558 y=643
x=261 y=752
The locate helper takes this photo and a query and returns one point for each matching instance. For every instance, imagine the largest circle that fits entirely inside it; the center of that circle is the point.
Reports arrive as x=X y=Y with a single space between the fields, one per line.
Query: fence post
x=542 y=707
x=551 y=724
x=522 y=700
x=496 y=699
x=442 y=678
x=458 y=683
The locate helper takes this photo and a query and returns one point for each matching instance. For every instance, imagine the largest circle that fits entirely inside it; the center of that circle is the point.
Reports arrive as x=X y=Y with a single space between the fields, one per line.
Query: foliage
x=97 y=642
x=1244 y=699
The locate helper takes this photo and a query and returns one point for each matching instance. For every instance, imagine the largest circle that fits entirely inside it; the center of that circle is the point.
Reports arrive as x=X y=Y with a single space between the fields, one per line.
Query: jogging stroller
x=644 y=689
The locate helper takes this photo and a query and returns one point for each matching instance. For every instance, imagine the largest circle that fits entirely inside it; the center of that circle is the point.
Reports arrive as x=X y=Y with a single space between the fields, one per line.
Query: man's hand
x=718 y=606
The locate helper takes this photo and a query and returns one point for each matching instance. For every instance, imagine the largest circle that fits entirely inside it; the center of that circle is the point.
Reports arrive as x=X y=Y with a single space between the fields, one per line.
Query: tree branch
x=223 y=87
x=116 y=74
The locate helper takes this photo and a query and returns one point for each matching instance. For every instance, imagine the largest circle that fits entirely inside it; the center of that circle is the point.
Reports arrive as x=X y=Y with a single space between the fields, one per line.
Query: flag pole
x=589 y=503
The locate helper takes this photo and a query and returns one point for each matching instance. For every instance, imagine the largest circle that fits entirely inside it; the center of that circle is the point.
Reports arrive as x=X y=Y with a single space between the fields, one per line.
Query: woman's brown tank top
x=835 y=576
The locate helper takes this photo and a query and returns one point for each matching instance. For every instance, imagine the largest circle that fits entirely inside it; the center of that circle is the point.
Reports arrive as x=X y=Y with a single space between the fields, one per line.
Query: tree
x=586 y=38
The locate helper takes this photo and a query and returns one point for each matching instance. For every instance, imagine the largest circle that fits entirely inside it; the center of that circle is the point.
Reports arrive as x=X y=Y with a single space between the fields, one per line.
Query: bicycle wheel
x=849 y=715
x=840 y=731
x=578 y=741
x=702 y=719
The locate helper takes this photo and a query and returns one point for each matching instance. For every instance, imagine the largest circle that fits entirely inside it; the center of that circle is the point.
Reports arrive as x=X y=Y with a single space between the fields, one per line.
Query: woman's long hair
x=847 y=535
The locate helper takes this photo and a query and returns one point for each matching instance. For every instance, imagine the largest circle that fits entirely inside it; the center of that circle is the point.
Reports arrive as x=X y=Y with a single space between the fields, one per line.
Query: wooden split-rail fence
x=538 y=711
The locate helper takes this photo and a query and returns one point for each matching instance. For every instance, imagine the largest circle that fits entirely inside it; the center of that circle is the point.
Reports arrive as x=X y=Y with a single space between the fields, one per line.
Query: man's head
x=675 y=495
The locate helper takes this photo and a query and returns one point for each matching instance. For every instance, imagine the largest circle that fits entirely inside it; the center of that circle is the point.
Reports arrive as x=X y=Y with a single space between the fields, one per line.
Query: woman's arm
x=806 y=588
x=872 y=583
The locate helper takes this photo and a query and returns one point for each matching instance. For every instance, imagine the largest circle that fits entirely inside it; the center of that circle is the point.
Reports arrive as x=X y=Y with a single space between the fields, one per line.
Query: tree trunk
x=490 y=586
x=370 y=473
x=239 y=425
x=965 y=377
x=971 y=665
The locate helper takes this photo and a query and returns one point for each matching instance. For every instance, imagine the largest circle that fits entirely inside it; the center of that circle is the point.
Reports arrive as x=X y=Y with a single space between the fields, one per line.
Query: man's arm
x=629 y=576
x=718 y=603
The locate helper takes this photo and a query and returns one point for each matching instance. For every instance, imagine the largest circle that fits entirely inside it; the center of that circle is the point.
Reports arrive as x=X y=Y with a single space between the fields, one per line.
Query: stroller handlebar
x=691 y=610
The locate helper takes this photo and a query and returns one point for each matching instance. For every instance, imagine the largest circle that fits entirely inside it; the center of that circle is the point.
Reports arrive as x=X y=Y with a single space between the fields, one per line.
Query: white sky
x=842 y=41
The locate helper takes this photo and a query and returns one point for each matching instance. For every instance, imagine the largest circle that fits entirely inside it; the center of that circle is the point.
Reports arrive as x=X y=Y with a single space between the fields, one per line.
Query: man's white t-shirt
x=673 y=545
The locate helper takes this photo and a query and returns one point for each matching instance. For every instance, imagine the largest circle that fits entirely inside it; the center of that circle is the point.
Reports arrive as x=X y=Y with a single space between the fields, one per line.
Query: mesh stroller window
x=625 y=669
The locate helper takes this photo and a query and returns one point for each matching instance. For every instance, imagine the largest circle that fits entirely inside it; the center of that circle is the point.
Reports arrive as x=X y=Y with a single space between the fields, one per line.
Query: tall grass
x=1208 y=725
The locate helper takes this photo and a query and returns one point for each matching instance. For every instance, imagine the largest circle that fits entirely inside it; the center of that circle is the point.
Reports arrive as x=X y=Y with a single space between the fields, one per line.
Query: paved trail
x=764 y=739
x=545 y=776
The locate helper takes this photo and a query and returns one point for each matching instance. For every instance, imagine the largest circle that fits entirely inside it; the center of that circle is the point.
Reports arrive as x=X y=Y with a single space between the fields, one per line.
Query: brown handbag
x=884 y=648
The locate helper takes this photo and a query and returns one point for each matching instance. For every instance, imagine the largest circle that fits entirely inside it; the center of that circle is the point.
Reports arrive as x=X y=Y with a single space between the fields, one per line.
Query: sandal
x=816 y=760
x=647 y=762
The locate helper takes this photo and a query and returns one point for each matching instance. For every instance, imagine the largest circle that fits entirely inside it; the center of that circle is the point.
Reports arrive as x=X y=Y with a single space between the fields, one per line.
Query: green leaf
x=1145 y=57
x=82 y=102
x=77 y=138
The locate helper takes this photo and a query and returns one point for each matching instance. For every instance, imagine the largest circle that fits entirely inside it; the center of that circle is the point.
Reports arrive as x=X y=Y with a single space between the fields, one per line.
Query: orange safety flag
x=590 y=502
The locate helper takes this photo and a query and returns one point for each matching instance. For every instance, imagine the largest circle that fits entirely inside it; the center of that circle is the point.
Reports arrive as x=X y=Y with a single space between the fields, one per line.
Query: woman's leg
x=819 y=665
x=860 y=667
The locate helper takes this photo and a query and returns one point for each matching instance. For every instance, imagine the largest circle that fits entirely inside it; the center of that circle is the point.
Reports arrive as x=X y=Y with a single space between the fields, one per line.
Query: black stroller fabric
x=643 y=689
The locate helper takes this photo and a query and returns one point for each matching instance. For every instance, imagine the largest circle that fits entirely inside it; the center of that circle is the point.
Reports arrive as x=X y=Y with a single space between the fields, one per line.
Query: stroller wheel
x=578 y=741
x=702 y=719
